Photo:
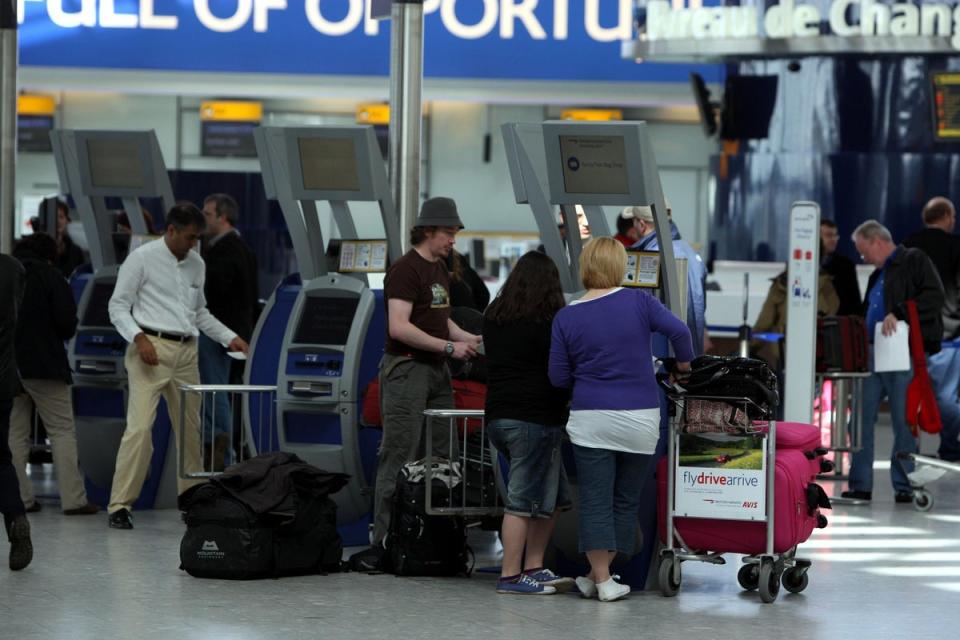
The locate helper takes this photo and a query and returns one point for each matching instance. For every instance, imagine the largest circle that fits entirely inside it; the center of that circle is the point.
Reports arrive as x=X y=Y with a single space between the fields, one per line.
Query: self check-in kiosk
x=94 y=166
x=321 y=336
x=592 y=165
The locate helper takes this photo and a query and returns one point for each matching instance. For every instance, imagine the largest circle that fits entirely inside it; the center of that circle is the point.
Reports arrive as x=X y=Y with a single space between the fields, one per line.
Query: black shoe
x=902 y=497
x=858 y=495
x=21 y=548
x=86 y=510
x=34 y=507
x=120 y=520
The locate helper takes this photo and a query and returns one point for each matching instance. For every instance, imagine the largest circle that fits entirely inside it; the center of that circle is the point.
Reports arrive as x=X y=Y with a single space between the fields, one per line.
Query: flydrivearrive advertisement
x=721 y=476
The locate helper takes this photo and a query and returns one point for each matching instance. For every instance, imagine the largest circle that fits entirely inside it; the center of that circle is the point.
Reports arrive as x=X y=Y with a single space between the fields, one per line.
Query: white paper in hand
x=891 y=353
x=237 y=355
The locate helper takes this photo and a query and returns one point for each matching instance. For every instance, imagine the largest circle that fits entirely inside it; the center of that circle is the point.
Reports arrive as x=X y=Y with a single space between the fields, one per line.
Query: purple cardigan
x=602 y=348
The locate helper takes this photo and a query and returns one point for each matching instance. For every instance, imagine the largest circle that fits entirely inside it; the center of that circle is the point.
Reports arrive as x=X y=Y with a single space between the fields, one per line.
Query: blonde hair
x=603 y=263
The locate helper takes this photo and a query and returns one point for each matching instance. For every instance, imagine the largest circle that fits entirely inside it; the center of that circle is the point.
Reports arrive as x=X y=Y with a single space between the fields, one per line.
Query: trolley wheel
x=769 y=581
x=669 y=575
x=749 y=577
x=795 y=580
x=922 y=500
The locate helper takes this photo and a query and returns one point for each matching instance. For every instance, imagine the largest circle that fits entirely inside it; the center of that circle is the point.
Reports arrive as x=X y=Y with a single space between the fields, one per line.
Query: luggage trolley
x=249 y=439
x=927 y=470
x=763 y=571
x=473 y=462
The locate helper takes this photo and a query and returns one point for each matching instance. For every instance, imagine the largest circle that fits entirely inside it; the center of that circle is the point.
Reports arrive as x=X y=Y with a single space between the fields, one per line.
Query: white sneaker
x=612 y=590
x=587 y=587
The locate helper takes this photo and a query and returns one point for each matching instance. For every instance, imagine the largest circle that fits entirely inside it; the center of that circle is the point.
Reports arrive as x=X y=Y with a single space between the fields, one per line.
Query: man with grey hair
x=938 y=241
x=901 y=274
x=696 y=270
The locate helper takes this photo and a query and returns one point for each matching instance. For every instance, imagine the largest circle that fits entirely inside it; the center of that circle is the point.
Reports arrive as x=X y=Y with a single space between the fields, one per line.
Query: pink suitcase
x=794 y=520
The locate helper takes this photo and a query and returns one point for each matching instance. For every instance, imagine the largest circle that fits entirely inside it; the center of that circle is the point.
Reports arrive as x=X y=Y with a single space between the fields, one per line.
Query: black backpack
x=226 y=539
x=418 y=544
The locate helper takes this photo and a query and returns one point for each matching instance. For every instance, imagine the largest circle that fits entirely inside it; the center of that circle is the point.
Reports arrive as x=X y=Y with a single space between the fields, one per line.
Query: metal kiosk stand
x=592 y=165
x=92 y=166
x=844 y=420
x=320 y=338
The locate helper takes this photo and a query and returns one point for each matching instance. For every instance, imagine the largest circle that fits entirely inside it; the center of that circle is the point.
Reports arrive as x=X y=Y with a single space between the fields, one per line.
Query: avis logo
x=748 y=504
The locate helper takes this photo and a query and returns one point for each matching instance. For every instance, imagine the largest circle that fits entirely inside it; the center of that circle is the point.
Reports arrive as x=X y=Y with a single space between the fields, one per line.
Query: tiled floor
x=881 y=571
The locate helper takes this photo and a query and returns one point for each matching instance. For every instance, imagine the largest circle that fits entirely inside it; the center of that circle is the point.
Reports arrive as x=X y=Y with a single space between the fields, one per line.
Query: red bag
x=922 y=409
x=467 y=394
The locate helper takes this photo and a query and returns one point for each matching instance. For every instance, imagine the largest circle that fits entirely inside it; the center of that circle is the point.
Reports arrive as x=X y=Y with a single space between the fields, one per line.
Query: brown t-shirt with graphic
x=427 y=285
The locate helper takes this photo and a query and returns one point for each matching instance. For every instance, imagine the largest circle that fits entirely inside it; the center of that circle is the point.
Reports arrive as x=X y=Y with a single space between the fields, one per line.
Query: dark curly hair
x=532 y=292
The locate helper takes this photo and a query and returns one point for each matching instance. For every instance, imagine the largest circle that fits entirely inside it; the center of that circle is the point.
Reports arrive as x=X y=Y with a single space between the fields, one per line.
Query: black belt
x=173 y=337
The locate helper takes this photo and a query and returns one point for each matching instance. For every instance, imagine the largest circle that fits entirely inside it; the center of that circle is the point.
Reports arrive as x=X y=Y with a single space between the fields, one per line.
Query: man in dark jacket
x=901 y=274
x=48 y=317
x=231 y=291
x=943 y=248
x=841 y=270
x=14 y=514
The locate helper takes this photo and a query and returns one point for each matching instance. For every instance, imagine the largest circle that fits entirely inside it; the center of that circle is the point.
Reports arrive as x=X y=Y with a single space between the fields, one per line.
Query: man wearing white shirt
x=158 y=306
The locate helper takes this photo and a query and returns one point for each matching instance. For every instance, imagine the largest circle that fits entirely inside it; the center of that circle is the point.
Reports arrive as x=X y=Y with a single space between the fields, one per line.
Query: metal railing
x=241 y=434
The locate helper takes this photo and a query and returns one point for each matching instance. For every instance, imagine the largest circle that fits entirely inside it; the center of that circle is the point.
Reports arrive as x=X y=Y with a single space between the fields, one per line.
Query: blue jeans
x=893 y=386
x=214 y=364
x=610 y=487
x=944 y=368
x=537 y=484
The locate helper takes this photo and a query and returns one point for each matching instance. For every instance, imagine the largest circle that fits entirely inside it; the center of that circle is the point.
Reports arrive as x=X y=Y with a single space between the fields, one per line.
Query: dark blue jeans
x=610 y=487
x=214 y=365
x=537 y=484
x=893 y=386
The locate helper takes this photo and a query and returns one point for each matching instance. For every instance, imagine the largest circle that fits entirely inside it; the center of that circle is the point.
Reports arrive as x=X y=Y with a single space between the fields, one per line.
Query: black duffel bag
x=735 y=377
x=226 y=539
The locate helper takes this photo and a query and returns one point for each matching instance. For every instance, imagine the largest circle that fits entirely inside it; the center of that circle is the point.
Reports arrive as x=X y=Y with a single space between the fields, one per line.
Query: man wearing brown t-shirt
x=420 y=337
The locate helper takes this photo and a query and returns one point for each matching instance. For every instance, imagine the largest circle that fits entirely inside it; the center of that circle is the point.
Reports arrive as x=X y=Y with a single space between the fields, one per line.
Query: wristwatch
x=448 y=349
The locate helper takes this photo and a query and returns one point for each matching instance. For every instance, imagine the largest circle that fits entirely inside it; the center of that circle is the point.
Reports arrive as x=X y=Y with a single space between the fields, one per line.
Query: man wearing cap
x=626 y=229
x=420 y=337
x=696 y=270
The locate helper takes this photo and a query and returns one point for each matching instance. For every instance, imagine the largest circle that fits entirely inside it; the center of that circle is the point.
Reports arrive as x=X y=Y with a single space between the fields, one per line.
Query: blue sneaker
x=524 y=585
x=548 y=578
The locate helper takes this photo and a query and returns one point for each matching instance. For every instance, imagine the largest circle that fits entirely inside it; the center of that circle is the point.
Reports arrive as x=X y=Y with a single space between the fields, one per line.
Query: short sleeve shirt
x=426 y=285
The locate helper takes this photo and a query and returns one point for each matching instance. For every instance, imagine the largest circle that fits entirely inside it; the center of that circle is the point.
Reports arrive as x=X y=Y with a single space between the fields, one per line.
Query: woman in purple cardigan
x=601 y=348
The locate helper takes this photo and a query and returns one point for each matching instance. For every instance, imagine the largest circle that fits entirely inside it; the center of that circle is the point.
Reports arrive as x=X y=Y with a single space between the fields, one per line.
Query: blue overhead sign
x=496 y=39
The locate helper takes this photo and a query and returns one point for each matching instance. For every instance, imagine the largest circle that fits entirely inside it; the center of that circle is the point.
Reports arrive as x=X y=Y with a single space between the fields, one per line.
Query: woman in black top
x=525 y=416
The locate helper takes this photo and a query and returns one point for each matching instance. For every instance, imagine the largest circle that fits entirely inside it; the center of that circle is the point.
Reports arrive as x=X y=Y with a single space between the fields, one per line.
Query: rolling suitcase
x=797 y=504
x=841 y=344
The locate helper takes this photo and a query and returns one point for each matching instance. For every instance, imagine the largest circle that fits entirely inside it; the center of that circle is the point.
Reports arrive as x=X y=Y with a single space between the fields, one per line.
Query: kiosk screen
x=329 y=164
x=97 y=314
x=594 y=164
x=115 y=163
x=326 y=320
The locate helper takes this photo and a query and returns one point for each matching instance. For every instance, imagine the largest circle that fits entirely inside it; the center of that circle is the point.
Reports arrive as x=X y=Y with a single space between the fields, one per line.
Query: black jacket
x=48 y=317
x=944 y=250
x=912 y=276
x=71 y=258
x=231 y=284
x=844 y=275
x=270 y=483
x=11 y=290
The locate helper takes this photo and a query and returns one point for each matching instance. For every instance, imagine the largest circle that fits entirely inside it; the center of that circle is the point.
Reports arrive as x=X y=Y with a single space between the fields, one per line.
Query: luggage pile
x=782 y=466
x=266 y=517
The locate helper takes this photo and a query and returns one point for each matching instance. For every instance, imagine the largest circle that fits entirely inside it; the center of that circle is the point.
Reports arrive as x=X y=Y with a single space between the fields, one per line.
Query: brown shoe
x=86 y=510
